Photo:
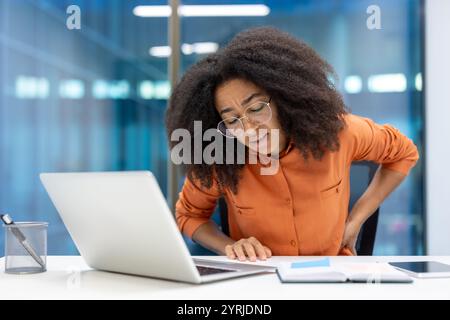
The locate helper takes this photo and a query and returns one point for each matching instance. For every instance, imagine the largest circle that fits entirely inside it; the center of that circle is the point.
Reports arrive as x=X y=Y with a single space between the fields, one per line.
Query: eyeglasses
x=257 y=114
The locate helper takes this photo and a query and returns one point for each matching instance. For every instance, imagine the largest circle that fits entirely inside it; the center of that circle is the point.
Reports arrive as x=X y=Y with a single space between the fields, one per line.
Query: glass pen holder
x=26 y=247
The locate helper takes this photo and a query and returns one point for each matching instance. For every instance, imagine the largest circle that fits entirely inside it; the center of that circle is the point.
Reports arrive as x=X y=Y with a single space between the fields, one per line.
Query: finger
x=260 y=252
x=344 y=241
x=229 y=252
x=349 y=249
x=250 y=250
x=239 y=251
x=268 y=252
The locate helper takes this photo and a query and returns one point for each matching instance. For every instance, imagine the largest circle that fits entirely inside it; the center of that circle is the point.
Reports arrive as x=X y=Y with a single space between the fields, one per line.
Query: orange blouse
x=302 y=209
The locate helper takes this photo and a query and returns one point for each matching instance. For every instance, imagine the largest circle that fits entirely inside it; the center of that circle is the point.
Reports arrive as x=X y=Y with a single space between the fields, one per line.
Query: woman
x=266 y=81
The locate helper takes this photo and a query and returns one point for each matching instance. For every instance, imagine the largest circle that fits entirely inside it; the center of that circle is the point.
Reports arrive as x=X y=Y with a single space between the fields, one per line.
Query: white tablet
x=424 y=269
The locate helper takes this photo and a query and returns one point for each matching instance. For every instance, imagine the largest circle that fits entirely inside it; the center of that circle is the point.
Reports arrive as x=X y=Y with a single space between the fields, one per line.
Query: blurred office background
x=94 y=99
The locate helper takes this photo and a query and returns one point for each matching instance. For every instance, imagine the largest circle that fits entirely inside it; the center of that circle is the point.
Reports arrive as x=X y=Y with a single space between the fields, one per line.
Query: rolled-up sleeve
x=382 y=144
x=195 y=206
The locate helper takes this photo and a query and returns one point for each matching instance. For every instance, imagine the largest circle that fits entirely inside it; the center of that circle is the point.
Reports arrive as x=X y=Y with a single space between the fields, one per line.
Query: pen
x=22 y=239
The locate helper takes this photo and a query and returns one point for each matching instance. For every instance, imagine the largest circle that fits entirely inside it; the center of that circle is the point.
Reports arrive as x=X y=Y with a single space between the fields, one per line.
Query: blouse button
x=293 y=243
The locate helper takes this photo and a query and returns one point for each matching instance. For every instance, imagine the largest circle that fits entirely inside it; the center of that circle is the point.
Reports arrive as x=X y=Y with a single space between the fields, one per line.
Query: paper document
x=323 y=270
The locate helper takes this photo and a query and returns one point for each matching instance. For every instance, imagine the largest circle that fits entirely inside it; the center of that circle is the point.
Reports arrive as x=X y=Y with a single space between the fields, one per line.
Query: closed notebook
x=323 y=270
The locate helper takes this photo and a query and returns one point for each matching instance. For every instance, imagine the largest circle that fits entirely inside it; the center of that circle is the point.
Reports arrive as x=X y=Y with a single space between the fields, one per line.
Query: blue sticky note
x=311 y=264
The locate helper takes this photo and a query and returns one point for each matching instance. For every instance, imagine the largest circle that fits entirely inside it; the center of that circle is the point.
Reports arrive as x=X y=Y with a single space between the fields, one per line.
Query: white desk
x=68 y=277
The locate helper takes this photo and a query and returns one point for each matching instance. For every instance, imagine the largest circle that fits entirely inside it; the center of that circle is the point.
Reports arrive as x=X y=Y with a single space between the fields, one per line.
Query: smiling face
x=241 y=99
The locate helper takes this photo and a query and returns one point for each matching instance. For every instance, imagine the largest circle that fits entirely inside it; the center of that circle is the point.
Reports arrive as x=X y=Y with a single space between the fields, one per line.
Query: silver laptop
x=120 y=222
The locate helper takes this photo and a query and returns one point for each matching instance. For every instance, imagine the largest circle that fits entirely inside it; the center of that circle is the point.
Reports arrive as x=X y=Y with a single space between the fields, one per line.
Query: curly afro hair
x=310 y=109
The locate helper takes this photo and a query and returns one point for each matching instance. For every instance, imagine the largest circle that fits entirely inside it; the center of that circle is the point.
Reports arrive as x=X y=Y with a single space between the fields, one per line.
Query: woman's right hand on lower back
x=249 y=248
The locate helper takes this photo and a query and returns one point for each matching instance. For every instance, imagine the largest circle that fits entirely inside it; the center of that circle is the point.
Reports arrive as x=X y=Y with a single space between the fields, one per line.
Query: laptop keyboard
x=204 y=271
